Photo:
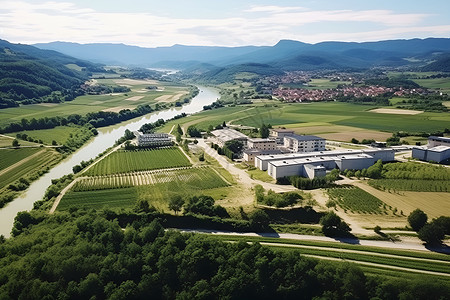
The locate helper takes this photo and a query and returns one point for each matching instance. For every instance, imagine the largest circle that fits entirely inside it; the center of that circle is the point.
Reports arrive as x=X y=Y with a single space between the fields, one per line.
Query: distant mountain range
x=285 y=55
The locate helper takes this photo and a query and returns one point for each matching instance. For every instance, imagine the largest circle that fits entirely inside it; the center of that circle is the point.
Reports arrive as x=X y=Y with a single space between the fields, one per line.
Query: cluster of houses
x=285 y=153
x=437 y=150
x=299 y=95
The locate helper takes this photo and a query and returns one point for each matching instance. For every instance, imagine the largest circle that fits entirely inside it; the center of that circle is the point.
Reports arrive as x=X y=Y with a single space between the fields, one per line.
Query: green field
x=154 y=187
x=326 y=114
x=356 y=200
x=94 y=103
x=26 y=167
x=9 y=157
x=139 y=160
x=60 y=134
x=442 y=84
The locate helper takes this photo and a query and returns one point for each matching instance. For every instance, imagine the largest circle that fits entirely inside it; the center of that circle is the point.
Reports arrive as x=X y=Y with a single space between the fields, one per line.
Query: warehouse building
x=153 y=139
x=221 y=136
x=262 y=162
x=435 y=154
x=312 y=167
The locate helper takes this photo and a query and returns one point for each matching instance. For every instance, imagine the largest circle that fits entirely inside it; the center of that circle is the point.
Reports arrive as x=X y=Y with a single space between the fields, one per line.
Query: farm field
x=32 y=163
x=139 y=160
x=60 y=134
x=155 y=187
x=417 y=185
x=6 y=141
x=9 y=157
x=94 y=103
x=356 y=200
x=332 y=120
x=434 y=204
x=442 y=84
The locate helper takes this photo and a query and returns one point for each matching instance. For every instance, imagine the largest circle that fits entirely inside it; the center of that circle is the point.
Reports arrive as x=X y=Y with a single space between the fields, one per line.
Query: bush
x=332 y=225
x=417 y=219
x=432 y=234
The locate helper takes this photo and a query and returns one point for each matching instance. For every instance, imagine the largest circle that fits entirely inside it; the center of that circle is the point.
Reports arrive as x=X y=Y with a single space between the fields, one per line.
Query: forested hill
x=31 y=75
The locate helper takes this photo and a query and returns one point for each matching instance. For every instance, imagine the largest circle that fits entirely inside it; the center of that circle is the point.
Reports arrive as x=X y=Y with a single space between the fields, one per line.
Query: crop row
x=140 y=160
x=205 y=178
x=356 y=200
x=417 y=185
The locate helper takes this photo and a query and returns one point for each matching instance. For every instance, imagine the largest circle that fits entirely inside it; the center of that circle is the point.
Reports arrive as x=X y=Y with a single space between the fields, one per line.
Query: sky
x=150 y=23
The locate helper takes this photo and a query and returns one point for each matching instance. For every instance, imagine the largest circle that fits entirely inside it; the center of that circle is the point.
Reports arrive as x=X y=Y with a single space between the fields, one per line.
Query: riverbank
x=105 y=139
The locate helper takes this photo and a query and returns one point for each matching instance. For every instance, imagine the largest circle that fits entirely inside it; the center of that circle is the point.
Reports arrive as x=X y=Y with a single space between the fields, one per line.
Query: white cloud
x=25 y=22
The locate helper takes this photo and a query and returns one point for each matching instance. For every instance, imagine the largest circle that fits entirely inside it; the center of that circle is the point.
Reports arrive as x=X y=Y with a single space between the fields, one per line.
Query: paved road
x=410 y=245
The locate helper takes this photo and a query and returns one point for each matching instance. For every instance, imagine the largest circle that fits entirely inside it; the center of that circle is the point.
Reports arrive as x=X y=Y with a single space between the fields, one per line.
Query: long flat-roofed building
x=437 y=150
x=222 y=136
x=304 y=143
x=385 y=154
x=312 y=167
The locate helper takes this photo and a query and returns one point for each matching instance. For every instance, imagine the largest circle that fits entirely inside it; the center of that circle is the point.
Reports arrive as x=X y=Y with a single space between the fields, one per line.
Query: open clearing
x=170 y=98
x=135 y=82
x=118 y=108
x=134 y=98
x=396 y=111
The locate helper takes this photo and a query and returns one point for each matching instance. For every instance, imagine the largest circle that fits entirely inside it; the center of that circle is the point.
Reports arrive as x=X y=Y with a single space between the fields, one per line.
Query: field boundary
x=63 y=192
x=21 y=162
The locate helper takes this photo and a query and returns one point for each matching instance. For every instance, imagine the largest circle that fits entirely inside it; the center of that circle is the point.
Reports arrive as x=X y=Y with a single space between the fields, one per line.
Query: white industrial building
x=221 y=136
x=385 y=154
x=435 y=154
x=303 y=143
x=437 y=150
x=153 y=139
x=316 y=166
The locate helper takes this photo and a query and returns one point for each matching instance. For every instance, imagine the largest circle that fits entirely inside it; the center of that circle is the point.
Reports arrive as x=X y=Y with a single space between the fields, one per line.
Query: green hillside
x=30 y=75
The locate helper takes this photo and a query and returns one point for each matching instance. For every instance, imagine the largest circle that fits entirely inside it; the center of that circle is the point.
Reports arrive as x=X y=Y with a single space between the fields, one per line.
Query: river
x=105 y=139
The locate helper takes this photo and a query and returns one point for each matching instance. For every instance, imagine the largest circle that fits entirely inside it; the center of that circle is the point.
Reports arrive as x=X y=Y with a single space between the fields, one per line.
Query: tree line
x=84 y=255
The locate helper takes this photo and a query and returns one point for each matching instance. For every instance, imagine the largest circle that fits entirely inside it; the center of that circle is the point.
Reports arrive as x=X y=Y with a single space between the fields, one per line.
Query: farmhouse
x=153 y=139
x=221 y=136
x=437 y=150
x=303 y=143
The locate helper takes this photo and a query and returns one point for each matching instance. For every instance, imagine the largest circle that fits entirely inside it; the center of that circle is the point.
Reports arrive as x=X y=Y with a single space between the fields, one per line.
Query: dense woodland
x=29 y=75
x=83 y=254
